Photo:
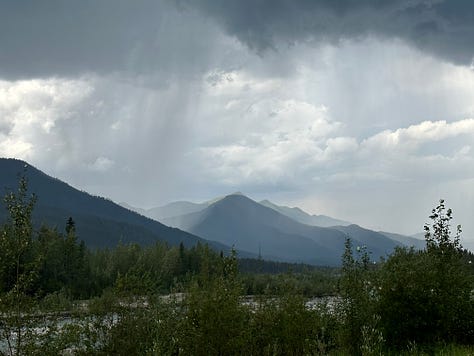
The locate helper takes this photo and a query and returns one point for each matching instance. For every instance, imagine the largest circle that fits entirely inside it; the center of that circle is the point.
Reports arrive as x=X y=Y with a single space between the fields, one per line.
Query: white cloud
x=340 y=145
x=274 y=140
x=30 y=111
x=102 y=164
x=13 y=147
x=411 y=137
x=387 y=181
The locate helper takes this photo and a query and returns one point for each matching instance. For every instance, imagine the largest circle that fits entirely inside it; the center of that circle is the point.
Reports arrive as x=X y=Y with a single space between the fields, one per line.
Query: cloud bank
x=443 y=28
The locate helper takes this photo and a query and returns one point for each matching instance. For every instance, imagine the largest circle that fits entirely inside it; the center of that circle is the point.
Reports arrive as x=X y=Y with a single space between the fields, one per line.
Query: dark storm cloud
x=68 y=38
x=444 y=28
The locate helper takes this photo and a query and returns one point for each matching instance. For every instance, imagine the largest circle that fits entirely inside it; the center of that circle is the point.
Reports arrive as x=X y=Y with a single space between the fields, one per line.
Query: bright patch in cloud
x=308 y=148
x=30 y=111
x=414 y=135
x=101 y=164
x=275 y=140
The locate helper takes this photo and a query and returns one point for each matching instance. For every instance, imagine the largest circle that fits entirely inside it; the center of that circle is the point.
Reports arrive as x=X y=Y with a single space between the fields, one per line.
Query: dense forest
x=59 y=296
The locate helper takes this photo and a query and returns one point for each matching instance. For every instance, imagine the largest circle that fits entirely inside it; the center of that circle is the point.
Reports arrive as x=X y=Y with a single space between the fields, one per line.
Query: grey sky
x=363 y=110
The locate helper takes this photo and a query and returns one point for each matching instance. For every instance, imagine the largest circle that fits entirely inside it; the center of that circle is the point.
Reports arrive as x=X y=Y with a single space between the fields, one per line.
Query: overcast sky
x=362 y=110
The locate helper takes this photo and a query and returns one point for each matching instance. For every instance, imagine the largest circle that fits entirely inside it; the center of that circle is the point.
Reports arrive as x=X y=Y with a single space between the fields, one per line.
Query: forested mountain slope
x=99 y=221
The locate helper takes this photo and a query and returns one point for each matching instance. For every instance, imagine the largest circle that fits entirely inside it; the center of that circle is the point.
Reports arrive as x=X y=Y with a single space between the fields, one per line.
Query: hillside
x=99 y=222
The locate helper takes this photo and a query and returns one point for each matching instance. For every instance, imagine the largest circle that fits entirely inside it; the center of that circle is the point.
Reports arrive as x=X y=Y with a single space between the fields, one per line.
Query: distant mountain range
x=173 y=209
x=178 y=208
x=255 y=228
x=303 y=217
x=99 y=222
x=276 y=232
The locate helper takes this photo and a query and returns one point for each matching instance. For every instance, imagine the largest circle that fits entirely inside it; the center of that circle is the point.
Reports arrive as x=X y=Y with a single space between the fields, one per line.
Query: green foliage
x=215 y=319
x=38 y=272
x=413 y=298
x=286 y=326
x=359 y=330
x=133 y=332
x=438 y=236
x=407 y=305
x=425 y=296
x=311 y=283
x=19 y=268
x=18 y=264
x=64 y=264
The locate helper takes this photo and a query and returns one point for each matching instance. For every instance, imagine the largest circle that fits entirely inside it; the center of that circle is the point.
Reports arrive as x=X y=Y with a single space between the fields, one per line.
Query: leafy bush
x=359 y=330
x=425 y=296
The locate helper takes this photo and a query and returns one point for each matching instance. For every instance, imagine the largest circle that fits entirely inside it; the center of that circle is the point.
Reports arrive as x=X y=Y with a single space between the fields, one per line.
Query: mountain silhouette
x=238 y=220
x=99 y=221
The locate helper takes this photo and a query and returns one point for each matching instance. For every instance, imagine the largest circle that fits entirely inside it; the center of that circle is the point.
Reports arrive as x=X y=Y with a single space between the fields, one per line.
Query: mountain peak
x=236 y=196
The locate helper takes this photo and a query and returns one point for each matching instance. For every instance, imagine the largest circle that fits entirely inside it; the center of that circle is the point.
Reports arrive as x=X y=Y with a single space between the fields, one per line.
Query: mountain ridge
x=300 y=215
x=241 y=221
x=100 y=222
x=183 y=207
